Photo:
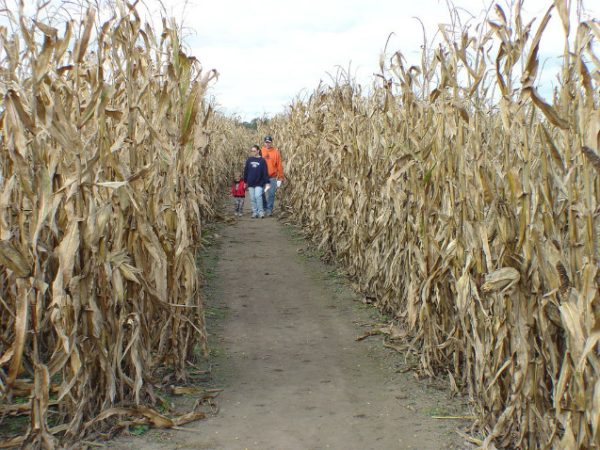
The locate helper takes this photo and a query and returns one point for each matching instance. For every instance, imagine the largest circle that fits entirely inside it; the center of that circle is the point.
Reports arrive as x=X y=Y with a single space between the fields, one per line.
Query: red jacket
x=241 y=189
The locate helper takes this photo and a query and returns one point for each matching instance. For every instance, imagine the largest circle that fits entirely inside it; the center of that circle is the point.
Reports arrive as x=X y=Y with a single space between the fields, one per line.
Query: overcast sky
x=269 y=51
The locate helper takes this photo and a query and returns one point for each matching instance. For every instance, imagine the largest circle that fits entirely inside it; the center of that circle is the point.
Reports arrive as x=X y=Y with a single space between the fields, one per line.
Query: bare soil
x=283 y=336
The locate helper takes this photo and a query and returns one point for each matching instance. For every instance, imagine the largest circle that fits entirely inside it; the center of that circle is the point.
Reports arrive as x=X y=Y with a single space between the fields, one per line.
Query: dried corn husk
x=472 y=219
x=111 y=161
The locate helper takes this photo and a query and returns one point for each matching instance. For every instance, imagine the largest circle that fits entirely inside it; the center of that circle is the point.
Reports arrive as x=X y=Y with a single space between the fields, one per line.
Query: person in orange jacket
x=275 y=169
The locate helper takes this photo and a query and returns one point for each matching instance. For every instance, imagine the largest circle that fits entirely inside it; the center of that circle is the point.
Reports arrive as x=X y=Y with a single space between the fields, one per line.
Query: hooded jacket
x=273 y=159
x=238 y=188
x=255 y=172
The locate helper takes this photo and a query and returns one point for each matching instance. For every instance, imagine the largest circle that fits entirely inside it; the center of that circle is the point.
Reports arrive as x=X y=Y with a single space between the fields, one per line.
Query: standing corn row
x=106 y=177
x=468 y=207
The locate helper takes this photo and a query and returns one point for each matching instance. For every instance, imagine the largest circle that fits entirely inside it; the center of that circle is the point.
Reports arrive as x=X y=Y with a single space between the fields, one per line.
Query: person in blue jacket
x=256 y=179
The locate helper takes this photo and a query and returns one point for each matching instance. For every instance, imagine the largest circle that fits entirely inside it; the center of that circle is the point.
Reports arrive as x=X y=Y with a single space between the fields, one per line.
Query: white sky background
x=268 y=52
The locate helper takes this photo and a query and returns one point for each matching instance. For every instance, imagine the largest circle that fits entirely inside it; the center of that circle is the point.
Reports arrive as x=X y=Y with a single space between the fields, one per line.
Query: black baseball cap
x=268 y=138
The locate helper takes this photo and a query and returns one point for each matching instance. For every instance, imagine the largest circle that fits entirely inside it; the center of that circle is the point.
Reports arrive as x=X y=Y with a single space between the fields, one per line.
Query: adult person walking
x=256 y=179
x=275 y=169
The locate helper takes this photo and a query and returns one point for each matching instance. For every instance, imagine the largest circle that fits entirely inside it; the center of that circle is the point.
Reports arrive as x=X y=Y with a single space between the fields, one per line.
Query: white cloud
x=267 y=52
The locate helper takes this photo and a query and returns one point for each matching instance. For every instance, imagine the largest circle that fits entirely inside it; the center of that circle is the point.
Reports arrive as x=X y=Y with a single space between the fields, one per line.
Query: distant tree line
x=253 y=124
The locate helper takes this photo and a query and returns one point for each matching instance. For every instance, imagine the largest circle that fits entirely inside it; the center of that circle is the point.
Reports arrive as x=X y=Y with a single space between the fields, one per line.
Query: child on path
x=256 y=179
x=238 y=191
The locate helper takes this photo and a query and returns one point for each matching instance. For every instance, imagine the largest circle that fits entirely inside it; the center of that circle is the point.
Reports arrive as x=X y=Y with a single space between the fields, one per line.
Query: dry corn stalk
x=467 y=205
x=109 y=167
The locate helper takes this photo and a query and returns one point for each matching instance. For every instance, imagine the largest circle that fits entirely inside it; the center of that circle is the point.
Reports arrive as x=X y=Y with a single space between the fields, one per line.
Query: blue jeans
x=238 y=203
x=256 y=200
x=271 y=194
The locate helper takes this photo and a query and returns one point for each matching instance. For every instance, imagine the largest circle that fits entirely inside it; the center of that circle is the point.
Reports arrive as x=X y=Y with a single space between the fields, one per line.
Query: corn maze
x=467 y=206
x=108 y=172
x=459 y=199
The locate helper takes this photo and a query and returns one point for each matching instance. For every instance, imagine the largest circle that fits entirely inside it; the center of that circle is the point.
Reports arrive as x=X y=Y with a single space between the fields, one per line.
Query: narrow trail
x=293 y=374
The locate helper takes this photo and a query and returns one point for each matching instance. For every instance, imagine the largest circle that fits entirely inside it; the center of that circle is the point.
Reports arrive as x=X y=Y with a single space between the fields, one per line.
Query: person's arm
x=246 y=172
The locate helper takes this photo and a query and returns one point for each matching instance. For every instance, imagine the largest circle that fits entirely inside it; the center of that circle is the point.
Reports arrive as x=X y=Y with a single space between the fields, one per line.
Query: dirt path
x=294 y=377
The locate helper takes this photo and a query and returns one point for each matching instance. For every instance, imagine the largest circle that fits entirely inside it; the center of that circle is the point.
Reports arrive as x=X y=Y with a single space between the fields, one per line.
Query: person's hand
x=278 y=183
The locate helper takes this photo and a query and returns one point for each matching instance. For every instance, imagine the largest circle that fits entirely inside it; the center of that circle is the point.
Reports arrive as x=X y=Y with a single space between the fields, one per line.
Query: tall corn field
x=110 y=164
x=466 y=205
x=231 y=142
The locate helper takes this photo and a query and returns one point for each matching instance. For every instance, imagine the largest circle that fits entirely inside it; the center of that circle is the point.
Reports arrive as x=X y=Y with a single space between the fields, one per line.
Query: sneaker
x=262 y=216
x=254 y=216
x=270 y=213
